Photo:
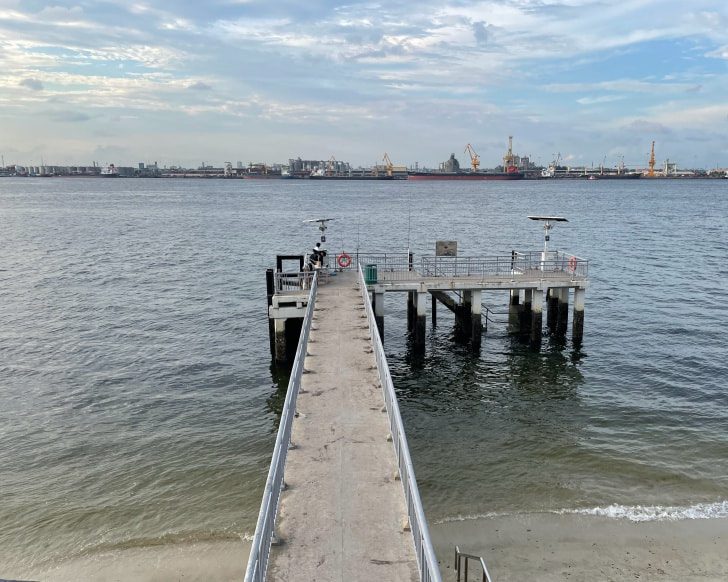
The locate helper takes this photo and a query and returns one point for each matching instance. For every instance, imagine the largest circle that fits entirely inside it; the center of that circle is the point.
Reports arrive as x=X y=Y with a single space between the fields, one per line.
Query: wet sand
x=549 y=547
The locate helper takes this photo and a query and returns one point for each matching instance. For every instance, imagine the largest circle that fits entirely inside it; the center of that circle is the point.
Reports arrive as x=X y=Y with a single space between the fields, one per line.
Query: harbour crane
x=388 y=164
x=474 y=158
x=508 y=160
x=651 y=172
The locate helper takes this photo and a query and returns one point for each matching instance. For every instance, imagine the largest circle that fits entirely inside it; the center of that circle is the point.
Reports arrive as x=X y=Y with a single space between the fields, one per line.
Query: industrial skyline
x=594 y=82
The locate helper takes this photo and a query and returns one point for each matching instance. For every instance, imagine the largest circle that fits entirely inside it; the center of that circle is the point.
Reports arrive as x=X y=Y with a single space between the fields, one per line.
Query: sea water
x=138 y=405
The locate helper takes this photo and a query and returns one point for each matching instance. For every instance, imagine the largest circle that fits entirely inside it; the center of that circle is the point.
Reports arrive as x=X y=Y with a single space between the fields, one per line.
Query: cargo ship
x=450 y=169
x=466 y=175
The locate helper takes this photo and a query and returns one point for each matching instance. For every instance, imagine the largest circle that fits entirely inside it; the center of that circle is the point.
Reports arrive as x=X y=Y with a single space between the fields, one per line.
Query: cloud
x=480 y=31
x=645 y=127
x=199 y=86
x=32 y=84
x=597 y=100
x=68 y=116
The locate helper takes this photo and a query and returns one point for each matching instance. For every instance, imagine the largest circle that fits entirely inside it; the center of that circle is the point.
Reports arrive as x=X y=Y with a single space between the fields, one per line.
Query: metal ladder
x=461 y=558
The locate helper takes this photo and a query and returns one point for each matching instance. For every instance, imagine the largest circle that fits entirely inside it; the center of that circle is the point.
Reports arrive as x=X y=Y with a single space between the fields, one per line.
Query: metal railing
x=402 y=267
x=293 y=282
x=385 y=262
x=264 y=529
x=556 y=265
x=462 y=558
x=426 y=559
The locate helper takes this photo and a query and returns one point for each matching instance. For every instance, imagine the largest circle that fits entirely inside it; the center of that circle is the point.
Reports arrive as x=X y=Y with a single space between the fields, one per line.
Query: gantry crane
x=509 y=158
x=474 y=158
x=651 y=172
x=388 y=164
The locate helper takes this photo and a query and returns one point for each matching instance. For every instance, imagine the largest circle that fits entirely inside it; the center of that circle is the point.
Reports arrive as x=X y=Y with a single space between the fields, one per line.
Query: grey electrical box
x=446 y=248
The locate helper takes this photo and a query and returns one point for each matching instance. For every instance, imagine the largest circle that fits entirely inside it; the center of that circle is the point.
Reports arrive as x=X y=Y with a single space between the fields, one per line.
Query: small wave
x=169 y=539
x=635 y=513
x=639 y=513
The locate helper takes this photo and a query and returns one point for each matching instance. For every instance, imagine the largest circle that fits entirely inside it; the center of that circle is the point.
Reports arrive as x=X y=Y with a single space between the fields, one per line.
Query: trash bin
x=370 y=274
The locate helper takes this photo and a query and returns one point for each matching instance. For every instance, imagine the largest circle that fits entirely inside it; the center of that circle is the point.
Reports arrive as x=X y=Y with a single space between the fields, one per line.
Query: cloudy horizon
x=249 y=81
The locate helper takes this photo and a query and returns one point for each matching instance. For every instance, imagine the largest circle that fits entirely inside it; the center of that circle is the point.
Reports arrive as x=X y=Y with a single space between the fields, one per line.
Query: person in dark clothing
x=316 y=260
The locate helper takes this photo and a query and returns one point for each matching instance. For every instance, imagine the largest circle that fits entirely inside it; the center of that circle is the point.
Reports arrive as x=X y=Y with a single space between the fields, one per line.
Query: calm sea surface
x=138 y=405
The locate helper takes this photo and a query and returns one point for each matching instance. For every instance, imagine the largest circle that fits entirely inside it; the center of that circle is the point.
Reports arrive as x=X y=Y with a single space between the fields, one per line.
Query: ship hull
x=465 y=176
x=629 y=176
x=352 y=178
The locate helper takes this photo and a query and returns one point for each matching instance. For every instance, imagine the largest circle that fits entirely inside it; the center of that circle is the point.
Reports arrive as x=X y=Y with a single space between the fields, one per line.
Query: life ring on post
x=572 y=265
x=344 y=260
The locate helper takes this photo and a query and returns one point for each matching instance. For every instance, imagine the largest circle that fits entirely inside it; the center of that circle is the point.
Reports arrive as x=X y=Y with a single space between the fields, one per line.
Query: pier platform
x=343 y=515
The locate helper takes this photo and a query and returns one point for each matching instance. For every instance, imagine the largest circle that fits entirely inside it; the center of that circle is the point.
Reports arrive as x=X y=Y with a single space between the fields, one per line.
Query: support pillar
x=434 y=311
x=552 y=309
x=270 y=291
x=463 y=319
x=513 y=309
x=378 y=305
x=562 y=322
x=411 y=309
x=536 y=317
x=577 y=330
x=476 y=318
x=280 y=341
x=525 y=315
x=420 y=320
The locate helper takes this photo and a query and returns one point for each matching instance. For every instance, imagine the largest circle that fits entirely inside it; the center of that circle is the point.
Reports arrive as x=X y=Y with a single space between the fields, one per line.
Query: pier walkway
x=348 y=508
x=341 y=517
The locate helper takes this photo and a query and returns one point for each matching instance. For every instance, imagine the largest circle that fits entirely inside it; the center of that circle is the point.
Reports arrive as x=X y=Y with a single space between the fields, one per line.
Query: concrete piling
x=552 y=308
x=476 y=318
x=577 y=329
x=420 y=320
x=378 y=305
x=525 y=314
x=514 y=325
x=536 y=316
x=562 y=321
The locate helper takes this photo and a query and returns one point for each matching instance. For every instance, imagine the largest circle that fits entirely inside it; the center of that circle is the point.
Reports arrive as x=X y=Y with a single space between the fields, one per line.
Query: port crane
x=509 y=158
x=388 y=164
x=651 y=172
x=474 y=157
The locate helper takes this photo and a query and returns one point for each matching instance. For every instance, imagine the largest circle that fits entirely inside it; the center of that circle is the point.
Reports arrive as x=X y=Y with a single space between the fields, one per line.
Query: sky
x=183 y=83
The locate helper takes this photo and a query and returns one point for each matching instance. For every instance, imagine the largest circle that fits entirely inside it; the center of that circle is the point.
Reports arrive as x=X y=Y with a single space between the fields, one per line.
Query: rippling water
x=137 y=402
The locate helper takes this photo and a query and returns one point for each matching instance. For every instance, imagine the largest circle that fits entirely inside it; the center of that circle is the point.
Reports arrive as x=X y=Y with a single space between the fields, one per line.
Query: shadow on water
x=280 y=375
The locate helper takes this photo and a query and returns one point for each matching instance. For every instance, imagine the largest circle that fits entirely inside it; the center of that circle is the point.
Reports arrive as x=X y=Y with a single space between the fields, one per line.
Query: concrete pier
x=343 y=513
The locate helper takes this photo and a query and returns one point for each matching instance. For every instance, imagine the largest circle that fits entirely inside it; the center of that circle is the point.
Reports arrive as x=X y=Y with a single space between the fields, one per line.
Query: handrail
x=459 y=561
x=426 y=559
x=264 y=529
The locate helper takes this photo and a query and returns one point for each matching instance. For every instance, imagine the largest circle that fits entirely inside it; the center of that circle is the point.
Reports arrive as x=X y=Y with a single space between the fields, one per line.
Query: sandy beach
x=543 y=547
x=549 y=547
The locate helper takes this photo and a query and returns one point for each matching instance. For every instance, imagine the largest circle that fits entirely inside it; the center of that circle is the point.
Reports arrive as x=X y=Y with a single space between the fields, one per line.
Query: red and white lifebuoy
x=344 y=260
x=572 y=265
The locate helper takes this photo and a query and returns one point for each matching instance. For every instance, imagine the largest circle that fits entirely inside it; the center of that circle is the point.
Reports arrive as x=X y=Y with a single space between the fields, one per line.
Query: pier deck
x=342 y=514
